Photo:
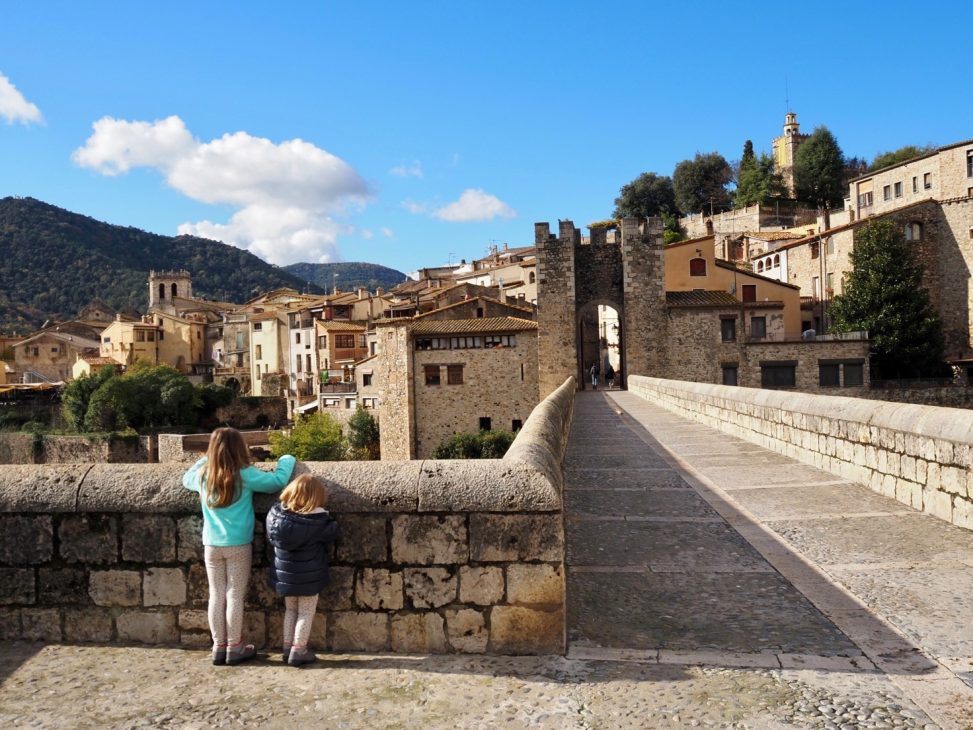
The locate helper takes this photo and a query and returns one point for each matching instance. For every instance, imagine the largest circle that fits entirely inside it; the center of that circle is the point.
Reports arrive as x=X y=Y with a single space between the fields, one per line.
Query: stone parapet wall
x=187 y=448
x=919 y=455
x=28 y=448
x=435 y=556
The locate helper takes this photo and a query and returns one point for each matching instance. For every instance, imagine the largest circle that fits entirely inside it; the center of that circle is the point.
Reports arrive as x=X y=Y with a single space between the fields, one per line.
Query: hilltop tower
x=785 y=147
x=165 y=286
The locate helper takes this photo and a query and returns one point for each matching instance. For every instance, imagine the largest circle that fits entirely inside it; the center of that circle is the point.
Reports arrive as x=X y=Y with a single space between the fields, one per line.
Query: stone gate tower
x=627 y=274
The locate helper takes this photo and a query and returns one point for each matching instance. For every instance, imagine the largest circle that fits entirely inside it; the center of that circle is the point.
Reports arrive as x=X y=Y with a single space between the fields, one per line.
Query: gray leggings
x=228 y=572
x=298 y=617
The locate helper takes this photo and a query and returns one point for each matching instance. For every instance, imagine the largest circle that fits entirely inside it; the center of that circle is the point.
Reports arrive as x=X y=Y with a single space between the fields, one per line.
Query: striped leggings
x=228 y=572
x=298 y=617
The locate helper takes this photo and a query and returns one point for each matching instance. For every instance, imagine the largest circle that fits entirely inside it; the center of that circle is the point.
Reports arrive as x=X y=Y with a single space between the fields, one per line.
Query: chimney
x=379 y=291
x=361 y=293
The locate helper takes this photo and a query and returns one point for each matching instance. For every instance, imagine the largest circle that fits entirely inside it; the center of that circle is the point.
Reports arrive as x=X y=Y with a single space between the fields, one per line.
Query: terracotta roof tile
x=464 y=326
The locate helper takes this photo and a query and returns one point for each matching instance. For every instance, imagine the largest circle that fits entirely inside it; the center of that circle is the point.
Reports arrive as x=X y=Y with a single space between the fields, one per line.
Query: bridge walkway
x=687 y=545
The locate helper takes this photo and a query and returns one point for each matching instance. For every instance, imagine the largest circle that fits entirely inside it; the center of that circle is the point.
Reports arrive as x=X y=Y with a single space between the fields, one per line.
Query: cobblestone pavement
x=711 y=583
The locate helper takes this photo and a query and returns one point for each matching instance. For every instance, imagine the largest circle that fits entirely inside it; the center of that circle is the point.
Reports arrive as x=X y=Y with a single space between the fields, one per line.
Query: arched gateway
x=575 y=278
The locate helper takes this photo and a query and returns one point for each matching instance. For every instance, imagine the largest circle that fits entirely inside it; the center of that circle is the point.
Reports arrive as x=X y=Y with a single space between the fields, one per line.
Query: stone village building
x=683 y=314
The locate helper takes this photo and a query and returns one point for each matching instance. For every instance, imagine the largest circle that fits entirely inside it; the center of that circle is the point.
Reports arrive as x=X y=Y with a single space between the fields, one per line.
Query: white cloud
x=14 y=107
x=414 y=207
x=367 y=234
x=286 y=193
x=475 y=205
x=413 y=170
x=387 y=232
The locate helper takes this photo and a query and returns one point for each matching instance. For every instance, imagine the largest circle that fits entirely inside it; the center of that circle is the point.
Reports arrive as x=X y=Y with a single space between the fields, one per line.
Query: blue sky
x=412 y=134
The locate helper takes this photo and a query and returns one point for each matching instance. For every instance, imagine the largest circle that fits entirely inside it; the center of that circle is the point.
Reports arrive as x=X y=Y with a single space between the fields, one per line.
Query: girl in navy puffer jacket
x=301 y=530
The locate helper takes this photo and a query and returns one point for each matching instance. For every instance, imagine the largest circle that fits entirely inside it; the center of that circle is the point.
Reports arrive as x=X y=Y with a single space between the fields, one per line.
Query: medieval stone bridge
x=673 y=574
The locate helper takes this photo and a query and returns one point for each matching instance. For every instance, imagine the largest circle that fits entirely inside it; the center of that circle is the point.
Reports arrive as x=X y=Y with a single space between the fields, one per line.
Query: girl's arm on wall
x=270 y=481
x=191 y=480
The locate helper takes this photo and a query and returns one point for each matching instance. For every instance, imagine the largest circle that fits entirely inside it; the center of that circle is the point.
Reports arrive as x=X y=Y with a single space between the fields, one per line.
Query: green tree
x=819 y=170
x=363 y=435
x=757 y=180
x=887 y=159
x=315 y=437
x=482 y=445
x=646 y=196
x=77 y=396
x=700 y=183
x=884 y=295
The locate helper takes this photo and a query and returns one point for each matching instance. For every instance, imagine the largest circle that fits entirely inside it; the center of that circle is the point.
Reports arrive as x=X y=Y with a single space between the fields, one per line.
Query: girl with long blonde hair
x=226 y=482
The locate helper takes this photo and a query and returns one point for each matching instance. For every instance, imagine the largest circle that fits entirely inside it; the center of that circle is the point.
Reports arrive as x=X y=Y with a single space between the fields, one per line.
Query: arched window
x=697 y=267
x=913 y=231
x=162 y=291
x=760 y=266
x=776 y=260
x=532 y=277
x=175 y=290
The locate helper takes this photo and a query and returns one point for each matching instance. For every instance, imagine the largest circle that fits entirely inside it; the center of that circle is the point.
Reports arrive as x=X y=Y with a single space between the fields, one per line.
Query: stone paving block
x=911 y=538
x=339 y=594
x=681 y=503
x=26 y=539
x=62 y=585
x=148 y=538
x=736 y=612
x=189 y=535
x=641 y=479
x=515 y=537
x=89 y=539
x=358 y=631
x=466 y=629
x=480 y=585
x=521 y=630
x=115 y=587
x=16 y=586
x=776 y=503
x=378 y=588
x=418 y=633
x=429 y=539
x=430 y=587
x=662 y=546
x=87 y=625
x=163 y=587
x=535 y=584
x=41 y=624
x=147 y=627
x=363 y=540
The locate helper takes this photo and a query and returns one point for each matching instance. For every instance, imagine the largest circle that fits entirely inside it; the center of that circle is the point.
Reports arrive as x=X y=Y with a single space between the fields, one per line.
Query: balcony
x=340 y=387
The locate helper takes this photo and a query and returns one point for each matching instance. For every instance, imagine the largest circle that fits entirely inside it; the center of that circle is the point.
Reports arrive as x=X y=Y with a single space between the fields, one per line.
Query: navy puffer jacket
x=300 y=565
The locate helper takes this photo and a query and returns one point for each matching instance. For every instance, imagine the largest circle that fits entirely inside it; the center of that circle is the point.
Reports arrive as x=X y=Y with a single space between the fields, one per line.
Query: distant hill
x=53 y=262
x=350 y=275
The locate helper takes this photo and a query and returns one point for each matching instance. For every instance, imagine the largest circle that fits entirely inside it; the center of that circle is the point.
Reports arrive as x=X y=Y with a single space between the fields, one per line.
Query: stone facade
x=27 y=448
x=435 y=557
x=920 y=455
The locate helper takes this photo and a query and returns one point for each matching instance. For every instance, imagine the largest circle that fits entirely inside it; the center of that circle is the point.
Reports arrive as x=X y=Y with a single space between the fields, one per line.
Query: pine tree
x=884 y=295
x=819 y=170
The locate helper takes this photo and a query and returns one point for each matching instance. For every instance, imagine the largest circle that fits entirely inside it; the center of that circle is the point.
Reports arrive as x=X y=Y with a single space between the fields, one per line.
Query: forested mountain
x=349 y=275
x=53 y=262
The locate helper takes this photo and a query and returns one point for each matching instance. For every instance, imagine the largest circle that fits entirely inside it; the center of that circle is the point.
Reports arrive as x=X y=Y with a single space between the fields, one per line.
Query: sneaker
x=240 y=653
x=298 y=657
x=219 y=656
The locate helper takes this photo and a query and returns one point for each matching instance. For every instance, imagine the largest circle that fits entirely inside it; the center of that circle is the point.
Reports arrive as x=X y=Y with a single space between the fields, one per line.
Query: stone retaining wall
x=27 y=448
x=919 y=455
x=436 y=556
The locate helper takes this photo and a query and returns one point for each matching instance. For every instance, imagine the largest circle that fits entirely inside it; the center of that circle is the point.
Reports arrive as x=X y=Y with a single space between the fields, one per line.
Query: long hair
x=304 y=494
x=226 y=456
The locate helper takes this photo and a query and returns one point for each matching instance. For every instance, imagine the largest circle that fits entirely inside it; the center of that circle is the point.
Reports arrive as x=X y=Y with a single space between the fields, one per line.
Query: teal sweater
x=233 y=525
